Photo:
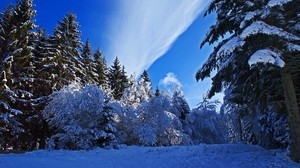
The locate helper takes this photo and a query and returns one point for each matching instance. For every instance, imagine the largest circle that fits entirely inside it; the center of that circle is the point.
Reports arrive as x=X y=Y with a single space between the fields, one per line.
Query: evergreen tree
x=157 y=92
x=180 y=106
x=87 y=61
x=137 y=92
x=145 y=76
x=23 y=65
x=6 y=27
x=257 y=29
x=44 y=64
x=66 y=41
x=100 y=66
x=117 y=79
x=23 y=70
x=10 y=126
x=147 y=81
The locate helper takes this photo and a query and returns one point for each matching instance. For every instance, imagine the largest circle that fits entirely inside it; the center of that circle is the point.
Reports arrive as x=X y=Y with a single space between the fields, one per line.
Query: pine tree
x=145 y=76
x=44 y=64
x=89 y=76
x=6 y=27
x=23 y=69
x=100 y=66
x=10 y=126
x=256 y=29
x=180 y=106
x=147 y=81
x=137 y=92
x=117 y=79
x=66 y=41
x=157 y=92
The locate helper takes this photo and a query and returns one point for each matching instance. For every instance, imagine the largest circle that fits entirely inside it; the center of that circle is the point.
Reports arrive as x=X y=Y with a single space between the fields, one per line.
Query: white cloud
x=144 y=30
x=170 y=80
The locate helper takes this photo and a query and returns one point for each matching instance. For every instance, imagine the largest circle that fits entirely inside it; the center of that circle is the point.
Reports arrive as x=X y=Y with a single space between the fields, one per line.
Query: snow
x=249 y=16
x=230 y=46
x=225 y=155
x=293 y=47
x=277 y=2
x=262 y=27
x=266 y=56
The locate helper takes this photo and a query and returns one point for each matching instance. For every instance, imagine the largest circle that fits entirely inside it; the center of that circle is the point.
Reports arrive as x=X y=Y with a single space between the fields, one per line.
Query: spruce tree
x=66 y=41
x=100 y=66
x=146 y=79
x=6 y=27
x=145 y=76
x=10 y=126
x=255 y=29
x=157 y=92
x=23 y=70
x=44 y=64
x=117 y=79
x=89 y=74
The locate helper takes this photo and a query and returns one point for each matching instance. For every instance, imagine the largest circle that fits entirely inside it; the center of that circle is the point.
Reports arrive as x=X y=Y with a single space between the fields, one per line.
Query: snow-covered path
x=228 y=155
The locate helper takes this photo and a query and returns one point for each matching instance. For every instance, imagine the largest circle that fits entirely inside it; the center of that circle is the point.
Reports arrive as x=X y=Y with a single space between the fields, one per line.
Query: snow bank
x=228 y=155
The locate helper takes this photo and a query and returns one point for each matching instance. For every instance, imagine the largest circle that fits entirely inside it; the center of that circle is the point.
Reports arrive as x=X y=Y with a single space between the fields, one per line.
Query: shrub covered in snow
x=80 y=118
x=206 y=125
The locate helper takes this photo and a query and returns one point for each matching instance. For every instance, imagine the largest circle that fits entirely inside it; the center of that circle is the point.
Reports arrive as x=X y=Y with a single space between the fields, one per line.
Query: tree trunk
x=293 y=111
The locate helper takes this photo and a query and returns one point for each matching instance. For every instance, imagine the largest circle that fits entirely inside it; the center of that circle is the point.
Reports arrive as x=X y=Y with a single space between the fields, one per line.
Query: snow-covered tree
x=137 y=93
x=205 y=124
x=66 y=41
x=100 y=66
x=10 y=126
x=164 y=127
x=80 y=117
x=180 y=105
x=255 y=31
x=6 y=27
x=117 y=79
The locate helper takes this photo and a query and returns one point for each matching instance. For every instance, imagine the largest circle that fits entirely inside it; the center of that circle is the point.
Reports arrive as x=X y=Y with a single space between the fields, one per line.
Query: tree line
x=34 y=64
x=57 y=92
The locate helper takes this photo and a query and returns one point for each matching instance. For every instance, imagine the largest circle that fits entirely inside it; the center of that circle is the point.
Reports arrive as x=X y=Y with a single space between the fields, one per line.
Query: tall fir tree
x=89 y=74
x=19 y=67
x=117 y=79
x=6 y=30
x=146 y=79
x=66 y=41
x=10 y=125
x=100 y=66
x=256 y=29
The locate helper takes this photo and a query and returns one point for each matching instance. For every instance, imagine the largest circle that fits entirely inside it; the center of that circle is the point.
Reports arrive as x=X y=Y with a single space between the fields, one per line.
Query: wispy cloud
x=170 y=80
x=143 y=30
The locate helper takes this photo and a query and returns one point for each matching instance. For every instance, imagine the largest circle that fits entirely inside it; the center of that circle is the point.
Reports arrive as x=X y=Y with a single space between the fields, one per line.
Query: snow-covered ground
x=228 y=155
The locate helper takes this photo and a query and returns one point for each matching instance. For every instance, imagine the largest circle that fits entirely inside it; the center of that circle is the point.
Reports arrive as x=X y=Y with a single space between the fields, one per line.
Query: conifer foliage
x=260 y=41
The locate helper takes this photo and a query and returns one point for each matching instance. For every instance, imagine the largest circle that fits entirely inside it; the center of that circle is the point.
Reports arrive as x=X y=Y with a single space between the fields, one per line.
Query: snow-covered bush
x=80 y=118
x=163 y=125
x=206 y=125
x=137 y=93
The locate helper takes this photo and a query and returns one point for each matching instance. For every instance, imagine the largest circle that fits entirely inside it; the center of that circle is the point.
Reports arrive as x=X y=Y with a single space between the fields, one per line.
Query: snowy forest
x=56 y=92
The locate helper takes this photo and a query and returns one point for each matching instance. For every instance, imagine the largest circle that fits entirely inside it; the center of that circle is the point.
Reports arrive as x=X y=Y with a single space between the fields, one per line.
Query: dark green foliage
x=66 y=41
x=253 y=95
x=157 y=92
x=145 y=76
x=100 y=67
x=89 y=76
x=117 y=79
x=33 y=65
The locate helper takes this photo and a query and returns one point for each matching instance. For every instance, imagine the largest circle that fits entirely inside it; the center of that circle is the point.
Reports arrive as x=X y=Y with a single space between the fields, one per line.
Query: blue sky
x=162 y=36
